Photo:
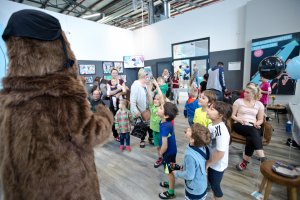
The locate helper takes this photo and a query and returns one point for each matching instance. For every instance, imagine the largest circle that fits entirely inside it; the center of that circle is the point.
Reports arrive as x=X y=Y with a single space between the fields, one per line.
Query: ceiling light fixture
x=92 y=15
x=131 y=28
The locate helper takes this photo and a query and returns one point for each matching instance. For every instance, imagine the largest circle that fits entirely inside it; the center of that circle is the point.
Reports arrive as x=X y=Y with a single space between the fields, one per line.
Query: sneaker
x=166 y=195
x=117 y=139
x=121 y=147
x=294 y=145
x=164 y=184
x=158 y=162
x=128 y=148
x=151 y=141
x=242 y=166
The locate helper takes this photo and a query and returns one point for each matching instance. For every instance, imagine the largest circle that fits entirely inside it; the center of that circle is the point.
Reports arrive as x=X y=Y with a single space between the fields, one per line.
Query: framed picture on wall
x=89 y=79
x=87 y=69
x=107 y=77
x=107 y=66
x=123 y=77
x=119 y=66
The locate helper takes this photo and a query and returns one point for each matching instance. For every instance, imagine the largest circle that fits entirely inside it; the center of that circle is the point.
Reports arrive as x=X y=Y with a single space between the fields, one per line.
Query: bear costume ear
x=38 y=25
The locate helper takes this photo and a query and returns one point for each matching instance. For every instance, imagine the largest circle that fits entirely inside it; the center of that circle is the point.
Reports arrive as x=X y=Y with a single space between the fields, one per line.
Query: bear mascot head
x=47 y=128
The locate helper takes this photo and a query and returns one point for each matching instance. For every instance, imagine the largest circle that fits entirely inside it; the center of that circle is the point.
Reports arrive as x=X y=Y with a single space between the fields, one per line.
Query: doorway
x=160 y=66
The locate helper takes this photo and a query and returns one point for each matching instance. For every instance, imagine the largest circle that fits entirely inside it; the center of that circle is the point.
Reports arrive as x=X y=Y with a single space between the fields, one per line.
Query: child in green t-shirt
x=154 y=103
x=162 y=85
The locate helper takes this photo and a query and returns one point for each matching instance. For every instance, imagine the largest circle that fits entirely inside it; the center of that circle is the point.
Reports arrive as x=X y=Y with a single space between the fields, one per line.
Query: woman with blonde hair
x=248 y=116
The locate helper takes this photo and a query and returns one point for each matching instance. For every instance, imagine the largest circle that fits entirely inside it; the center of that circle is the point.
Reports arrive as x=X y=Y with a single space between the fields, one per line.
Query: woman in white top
x=248 y=116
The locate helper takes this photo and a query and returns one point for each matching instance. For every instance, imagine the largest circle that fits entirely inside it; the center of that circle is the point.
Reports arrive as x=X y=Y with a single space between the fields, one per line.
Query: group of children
x=206 y=155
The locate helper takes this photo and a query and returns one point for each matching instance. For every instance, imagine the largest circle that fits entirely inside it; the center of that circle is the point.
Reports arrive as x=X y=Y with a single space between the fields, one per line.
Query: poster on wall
x=287 y=48
x=87 y=69
x=119 y=66
x=107 y=66
x=108 y=77
x=89 y=79
x=123 y=77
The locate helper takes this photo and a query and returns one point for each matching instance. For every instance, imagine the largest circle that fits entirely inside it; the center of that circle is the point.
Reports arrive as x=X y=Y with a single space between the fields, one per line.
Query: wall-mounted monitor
x=133 y=61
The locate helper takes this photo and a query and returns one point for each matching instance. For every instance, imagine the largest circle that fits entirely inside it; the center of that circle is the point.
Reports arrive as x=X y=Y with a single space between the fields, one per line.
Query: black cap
x=32 y=24
x=38 y=25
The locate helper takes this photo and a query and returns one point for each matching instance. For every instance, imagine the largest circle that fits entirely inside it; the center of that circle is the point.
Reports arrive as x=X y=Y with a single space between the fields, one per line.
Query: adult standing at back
x=166 y=76
x=115 y=75
x=216 y=80
x=196 y=74
x=139 y=101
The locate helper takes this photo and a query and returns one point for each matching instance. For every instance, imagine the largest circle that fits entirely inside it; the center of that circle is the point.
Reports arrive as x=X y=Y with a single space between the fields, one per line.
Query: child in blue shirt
x=191 y=105
x=195 y=157
x=167 y=112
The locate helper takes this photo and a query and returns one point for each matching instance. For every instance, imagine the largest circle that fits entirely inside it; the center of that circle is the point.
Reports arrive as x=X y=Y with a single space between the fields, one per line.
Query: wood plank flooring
x=126 y=176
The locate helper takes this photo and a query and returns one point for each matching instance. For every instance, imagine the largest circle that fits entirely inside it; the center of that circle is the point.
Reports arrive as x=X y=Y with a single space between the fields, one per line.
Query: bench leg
x=292 y=193
x=262 y=185
x=268 y=190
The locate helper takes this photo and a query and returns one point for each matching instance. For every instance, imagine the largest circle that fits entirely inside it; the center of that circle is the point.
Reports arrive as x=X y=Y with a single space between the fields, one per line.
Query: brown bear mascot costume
x=47 y=129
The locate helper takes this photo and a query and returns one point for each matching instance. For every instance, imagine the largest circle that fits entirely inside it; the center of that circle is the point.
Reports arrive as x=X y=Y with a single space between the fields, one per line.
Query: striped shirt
x=122 y=121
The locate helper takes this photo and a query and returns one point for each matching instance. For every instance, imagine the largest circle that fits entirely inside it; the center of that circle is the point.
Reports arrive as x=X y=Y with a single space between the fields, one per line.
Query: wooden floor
x=126 y=176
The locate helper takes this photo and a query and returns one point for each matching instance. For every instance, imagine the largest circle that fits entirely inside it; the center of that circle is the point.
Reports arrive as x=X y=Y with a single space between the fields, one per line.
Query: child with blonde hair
x=162 y=85
x=123 y=118
x=154 y=103
x=206 y=98
x=195 y=156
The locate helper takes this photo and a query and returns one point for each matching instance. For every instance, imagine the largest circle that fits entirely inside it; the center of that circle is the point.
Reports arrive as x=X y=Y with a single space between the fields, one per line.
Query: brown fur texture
x=47 y=129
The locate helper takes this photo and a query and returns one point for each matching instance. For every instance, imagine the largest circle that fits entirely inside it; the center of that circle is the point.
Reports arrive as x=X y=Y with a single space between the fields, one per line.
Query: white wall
x=268 y=18
x=89 y=40
x=223 y=22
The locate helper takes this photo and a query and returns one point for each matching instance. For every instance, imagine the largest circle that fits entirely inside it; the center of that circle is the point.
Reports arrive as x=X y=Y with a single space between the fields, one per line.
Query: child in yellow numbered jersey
x=206 y=99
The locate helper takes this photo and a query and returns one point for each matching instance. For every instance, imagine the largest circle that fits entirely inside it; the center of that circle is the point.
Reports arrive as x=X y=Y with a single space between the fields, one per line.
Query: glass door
x=200 y=67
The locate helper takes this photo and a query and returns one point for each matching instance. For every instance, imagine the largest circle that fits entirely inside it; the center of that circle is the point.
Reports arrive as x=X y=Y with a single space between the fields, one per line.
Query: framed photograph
x=119 y=66
x=89 y=79
x=107 y=66
x=123 y=77
x=107 y=77
x=87 y=69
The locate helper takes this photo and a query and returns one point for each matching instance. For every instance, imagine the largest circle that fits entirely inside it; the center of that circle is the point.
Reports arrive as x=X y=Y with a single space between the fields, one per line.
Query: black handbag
x=140 y=129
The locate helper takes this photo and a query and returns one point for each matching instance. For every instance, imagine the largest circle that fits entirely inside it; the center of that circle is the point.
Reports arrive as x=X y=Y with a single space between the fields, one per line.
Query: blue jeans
x=123 y=137
x=191 y=121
